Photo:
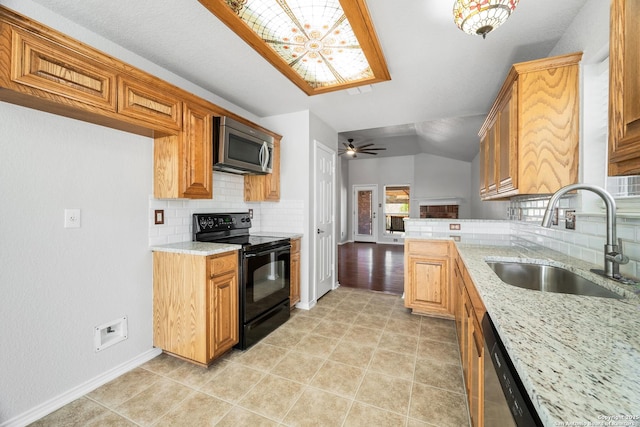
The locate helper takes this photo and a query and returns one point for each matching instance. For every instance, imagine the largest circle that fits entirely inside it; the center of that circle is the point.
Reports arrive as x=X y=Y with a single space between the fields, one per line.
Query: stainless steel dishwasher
x=506 y=402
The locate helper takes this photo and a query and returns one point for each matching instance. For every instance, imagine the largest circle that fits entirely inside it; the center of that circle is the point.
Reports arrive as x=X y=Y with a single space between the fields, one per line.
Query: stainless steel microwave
x=241 y=149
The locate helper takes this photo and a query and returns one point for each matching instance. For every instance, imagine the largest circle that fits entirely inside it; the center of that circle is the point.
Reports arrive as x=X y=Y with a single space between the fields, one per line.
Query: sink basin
x=547 y=278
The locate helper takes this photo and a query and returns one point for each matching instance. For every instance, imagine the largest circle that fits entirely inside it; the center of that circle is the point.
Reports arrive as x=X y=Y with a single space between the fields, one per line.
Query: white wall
x=378 y=171
x=430 y=177
x=438 y=177
x=294 y=182
x=58 y=284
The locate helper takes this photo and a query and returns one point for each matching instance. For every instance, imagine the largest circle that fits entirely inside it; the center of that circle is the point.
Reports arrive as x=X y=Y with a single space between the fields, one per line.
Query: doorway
x=376 y=267
x=365 y=221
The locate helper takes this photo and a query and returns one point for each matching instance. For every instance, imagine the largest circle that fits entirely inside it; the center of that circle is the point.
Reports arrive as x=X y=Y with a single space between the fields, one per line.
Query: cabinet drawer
x=430 y=247
x=41 y=64
x=295 y=245
x=221 y=264
x=149 y=103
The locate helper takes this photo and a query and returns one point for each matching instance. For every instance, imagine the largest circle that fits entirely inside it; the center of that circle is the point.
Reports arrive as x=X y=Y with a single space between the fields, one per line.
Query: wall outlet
x=158 y=216
x=72 y=218
x=108 y=334
x=454 y=226
x=570 y=219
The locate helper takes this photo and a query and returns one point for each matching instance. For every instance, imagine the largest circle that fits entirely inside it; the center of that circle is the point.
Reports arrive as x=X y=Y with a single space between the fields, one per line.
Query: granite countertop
x=196 y=248
x=278 y=234
x=206 y=249
x=577 y=356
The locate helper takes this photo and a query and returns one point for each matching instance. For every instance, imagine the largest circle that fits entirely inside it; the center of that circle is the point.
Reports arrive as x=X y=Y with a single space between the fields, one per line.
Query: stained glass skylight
x=313 y=38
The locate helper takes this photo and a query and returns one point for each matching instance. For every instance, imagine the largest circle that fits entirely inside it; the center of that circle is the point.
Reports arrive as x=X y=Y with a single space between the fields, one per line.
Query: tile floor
x=358 y=358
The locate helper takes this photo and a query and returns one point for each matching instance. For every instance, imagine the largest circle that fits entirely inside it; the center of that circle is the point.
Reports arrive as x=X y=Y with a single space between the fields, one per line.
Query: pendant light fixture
x=482 y=16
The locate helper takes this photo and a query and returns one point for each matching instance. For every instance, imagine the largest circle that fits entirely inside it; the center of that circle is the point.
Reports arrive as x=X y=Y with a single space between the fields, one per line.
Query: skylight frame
x=356 y=13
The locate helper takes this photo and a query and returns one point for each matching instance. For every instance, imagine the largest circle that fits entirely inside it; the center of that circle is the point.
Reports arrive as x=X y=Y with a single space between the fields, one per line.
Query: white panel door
x=325 y=161
x=365 y=221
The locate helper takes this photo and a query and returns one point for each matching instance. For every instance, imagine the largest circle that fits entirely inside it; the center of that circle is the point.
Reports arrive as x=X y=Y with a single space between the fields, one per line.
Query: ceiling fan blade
x=366 y=152
x=345 y=145
x=360 y=147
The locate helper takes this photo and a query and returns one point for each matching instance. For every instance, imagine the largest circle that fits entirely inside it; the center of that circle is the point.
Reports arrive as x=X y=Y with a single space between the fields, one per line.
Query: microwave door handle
x=264 y=155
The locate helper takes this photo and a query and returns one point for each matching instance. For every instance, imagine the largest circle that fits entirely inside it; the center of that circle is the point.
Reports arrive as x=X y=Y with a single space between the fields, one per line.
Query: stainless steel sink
x=547 y=278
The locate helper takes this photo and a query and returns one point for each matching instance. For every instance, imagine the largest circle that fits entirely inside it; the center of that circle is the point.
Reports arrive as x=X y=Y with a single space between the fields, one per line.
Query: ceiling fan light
x=479 y=17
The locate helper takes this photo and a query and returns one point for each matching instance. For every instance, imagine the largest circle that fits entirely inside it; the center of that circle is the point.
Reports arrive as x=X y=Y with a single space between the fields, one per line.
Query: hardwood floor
x=374 y=266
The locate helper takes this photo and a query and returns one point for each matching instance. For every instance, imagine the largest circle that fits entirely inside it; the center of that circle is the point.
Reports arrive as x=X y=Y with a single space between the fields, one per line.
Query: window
x=396 y=207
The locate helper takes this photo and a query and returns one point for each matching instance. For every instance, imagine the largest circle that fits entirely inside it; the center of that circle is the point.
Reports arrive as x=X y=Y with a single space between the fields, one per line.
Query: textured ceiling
x=443 y=80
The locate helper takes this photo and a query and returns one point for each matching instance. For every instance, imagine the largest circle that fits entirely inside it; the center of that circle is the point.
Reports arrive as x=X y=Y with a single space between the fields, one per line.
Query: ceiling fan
x=353 y=150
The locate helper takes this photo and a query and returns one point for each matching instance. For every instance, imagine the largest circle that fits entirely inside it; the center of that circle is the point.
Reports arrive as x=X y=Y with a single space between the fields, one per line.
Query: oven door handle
x=267 y=252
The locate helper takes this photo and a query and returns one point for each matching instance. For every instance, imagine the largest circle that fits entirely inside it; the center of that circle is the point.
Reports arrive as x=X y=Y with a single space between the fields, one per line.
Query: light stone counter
x=578 y=356
x=196 y=248
x=278 y=234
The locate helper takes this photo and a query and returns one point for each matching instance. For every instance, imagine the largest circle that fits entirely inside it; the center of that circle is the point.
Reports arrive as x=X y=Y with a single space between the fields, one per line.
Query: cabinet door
x=548 y=134
x=465 y=339
x=624 y=88
x=196 y=153
x=483 y=165
x=55 y=73
x=294 y=278
x=429 y=284
x=265 y=188
x=224 y=317
x=458 y=301
x=476 y=373
x=507 y=156
x=492 y=142
x=426 y=281
x=150 y=104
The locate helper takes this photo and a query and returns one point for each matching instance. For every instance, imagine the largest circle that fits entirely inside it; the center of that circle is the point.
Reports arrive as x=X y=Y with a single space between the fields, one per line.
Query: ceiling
x=443 y=81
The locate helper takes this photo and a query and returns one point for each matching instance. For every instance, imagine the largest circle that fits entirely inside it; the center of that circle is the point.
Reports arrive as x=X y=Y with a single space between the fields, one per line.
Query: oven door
x=266 y=278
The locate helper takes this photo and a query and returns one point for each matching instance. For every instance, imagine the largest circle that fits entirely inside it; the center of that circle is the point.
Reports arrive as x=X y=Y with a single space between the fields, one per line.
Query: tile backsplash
x=585 y=242
x=228 y=196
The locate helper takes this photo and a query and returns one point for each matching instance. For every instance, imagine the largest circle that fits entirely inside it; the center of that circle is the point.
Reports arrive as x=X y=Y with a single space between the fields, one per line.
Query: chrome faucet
x=613 y=255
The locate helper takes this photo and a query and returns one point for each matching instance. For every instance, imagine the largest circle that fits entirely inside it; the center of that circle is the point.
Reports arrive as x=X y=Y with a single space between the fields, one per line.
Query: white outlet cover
x=72 y=218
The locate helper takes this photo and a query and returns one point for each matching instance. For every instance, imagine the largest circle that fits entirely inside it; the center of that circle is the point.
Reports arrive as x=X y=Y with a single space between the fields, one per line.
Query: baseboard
x=69 y=396
x=304 y=306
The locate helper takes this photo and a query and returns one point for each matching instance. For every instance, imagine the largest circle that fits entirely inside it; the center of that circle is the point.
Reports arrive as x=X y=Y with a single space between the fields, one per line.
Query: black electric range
x=264 y=272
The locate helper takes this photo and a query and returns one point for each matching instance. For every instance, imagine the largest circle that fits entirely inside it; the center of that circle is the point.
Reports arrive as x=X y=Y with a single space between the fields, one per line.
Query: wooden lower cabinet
x=195 y=304
x=294 y=278
x=468 y=313
x=426 y=277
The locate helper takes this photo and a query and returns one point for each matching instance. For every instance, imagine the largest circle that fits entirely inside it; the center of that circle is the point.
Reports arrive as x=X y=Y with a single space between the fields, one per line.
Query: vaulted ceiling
x=443 y=81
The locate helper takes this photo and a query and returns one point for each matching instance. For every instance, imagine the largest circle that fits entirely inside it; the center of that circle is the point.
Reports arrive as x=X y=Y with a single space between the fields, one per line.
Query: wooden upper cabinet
x=196 y=152
x=52 y=72
x=265 y=188
x=483 y=165
x=149 y=102
x=533 y=129
x=624 y=88
x=507 y=135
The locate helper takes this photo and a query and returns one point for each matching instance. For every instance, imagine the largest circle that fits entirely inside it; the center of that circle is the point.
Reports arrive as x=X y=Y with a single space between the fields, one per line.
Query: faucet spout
x=613 y=256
